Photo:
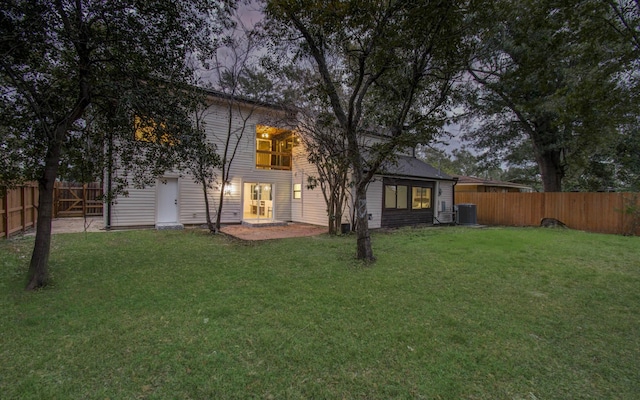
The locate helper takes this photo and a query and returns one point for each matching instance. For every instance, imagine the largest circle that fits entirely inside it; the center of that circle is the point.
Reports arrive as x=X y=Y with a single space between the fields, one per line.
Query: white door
x=167 y=200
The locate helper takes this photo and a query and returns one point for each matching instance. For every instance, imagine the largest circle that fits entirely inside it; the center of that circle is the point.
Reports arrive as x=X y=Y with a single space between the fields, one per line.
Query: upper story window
x=274 y=147
x=147 y=130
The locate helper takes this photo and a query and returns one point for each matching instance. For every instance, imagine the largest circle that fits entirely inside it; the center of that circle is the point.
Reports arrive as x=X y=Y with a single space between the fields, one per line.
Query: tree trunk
x=332 y=216
x=219 y=213
x=551 y=170
x=338 y=219
x=39 y=266
x=210 y=225
x=548 y=153
x=364 y=248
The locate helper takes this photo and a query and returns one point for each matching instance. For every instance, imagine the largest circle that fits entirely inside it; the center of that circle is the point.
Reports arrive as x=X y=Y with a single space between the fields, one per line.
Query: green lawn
x=447 y=313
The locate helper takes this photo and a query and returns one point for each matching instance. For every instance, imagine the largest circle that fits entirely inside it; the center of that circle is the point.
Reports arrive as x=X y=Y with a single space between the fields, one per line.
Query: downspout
x=453 y=198
x=107 y=225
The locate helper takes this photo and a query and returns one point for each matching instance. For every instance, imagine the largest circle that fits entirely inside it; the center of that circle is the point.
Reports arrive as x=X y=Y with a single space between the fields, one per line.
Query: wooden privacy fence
x=18 y=207
x=592 y=212
x=77 y=199
x=18 y=210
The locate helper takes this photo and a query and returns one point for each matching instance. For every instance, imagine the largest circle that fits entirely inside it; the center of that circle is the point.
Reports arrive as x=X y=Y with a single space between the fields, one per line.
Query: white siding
x=311 y=208
x=139 y=208
x=232 y=202
x=281 y=186
x=243 y=167
x=444 y=202
x=191 y=202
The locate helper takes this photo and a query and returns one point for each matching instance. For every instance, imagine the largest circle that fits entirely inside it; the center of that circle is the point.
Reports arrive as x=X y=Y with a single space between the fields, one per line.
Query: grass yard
x=449 y=313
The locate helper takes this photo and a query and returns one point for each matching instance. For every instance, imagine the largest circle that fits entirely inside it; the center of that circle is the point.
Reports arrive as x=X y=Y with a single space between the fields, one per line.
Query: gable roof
x=412 y=167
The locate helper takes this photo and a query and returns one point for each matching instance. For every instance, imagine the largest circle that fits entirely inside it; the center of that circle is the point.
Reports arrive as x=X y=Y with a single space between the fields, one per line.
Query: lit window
x=273 y=148
x=421 y=198
x=145 y=131
x=297 y=191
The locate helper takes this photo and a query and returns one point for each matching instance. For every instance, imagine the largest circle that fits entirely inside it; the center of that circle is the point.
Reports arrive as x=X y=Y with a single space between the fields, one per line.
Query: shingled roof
x=412 y=167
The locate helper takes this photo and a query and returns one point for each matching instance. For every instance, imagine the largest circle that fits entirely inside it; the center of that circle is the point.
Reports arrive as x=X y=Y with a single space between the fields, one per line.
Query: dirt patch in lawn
x=273 y=232
x=73 y=225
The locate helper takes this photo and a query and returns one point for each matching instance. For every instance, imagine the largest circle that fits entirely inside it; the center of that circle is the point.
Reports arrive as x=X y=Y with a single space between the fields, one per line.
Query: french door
x=258 y=201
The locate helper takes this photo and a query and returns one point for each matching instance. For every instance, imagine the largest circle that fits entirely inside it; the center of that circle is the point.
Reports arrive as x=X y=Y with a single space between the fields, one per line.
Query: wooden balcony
x=276 y=160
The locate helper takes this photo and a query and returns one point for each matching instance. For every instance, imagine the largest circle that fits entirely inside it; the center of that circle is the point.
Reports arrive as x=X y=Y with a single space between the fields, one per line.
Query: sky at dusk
x=248 y=15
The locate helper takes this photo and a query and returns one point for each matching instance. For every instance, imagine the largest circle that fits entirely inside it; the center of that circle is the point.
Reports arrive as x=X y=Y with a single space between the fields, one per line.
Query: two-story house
x=268 y=182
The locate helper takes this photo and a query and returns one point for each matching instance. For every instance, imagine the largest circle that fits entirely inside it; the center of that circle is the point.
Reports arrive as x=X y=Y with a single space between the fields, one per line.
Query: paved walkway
x=74 y=225
x=77 y=224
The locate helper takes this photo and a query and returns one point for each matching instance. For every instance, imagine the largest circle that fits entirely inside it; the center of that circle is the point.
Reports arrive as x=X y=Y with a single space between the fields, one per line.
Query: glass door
x=258 y=201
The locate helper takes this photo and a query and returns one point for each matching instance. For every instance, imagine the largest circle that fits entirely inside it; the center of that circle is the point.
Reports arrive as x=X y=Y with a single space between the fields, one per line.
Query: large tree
x=546 y=76
x=122 y=64
x=626 y=20
x=384 y=67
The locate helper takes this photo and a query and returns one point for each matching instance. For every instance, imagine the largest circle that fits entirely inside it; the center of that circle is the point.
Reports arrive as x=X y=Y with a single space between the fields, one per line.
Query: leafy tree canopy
x=550 y=76
x=75 y=65
x=75 y=75
x=378 y=66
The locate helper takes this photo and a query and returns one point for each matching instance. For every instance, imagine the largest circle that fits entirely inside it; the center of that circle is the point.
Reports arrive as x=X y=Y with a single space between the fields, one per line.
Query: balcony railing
x=278 y=160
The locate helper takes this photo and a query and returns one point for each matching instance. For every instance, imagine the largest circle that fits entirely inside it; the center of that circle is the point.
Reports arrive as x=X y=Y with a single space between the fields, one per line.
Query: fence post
x=84 y=200
x=56 y=198
x=622 y=212
x=23 y=212
x=36 y=203
x=32 y=211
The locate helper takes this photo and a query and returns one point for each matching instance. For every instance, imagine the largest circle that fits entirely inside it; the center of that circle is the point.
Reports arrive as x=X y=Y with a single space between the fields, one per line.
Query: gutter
x=107 y=224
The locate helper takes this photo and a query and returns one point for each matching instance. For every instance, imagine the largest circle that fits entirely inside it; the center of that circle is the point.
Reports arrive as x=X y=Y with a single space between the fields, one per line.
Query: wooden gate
x=77 y=199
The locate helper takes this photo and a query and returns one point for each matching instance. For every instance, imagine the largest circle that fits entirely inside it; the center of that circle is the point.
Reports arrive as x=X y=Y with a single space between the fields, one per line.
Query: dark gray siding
x=395 y=218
